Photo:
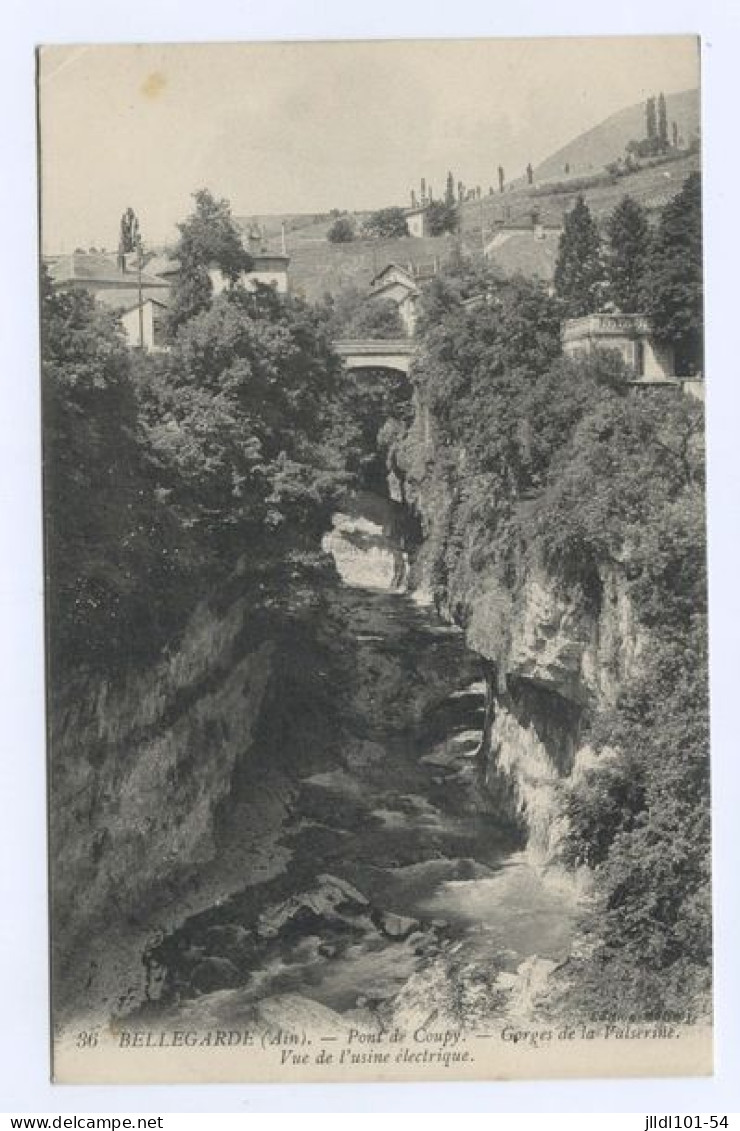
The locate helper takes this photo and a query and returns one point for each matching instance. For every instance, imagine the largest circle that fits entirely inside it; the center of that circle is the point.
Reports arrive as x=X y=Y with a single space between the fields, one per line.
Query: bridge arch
x=376 y=353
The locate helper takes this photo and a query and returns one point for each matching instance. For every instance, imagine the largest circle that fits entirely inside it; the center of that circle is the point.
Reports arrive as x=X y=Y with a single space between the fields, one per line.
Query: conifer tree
x=530 y=173
x=625 y=261
x=500 y=178
x=579 y=271
x=651 y=127
x=673 y=287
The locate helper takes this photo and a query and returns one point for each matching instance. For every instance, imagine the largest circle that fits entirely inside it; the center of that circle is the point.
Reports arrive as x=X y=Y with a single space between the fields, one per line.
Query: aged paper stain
x=153 y=85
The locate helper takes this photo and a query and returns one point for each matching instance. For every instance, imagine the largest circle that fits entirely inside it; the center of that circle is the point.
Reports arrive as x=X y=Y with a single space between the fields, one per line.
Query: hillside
x=590 y=151
x=318 y=267
x=652 y=186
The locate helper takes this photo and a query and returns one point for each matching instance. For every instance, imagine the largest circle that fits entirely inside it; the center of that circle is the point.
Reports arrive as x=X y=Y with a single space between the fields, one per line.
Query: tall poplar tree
x=651 y=125
x=662 y=123
x=450 y=191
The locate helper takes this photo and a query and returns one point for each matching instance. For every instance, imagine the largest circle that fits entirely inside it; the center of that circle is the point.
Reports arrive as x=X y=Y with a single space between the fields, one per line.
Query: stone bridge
x=376 y=353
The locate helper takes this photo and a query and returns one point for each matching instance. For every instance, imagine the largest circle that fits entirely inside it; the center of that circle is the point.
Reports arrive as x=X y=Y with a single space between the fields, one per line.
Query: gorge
x=339 y=856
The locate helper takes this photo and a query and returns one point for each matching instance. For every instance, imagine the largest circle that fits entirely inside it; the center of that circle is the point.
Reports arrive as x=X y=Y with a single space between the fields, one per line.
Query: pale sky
x=304 y=127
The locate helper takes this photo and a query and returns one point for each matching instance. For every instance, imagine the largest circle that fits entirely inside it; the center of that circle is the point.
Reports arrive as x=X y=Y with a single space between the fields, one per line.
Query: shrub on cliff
x=496 y=403
x=629 y=461
x=629 y=489
x=642 y=820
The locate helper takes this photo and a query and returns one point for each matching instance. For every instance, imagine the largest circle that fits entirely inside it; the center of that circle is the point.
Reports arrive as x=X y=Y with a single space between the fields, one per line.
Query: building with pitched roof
x=97 y=273
x=140 y=300
x=145 y=327
x=398 y=285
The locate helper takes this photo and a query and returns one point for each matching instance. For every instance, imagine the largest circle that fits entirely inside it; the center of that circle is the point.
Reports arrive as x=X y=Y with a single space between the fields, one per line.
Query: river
x=395 y=883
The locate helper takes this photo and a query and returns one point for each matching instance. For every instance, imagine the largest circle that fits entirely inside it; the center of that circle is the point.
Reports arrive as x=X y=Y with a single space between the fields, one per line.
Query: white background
x=24 y=1085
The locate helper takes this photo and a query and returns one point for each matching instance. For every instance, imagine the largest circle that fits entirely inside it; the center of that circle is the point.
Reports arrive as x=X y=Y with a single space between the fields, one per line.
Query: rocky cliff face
x=552 y=655
x=169 y=786
x=141 y=766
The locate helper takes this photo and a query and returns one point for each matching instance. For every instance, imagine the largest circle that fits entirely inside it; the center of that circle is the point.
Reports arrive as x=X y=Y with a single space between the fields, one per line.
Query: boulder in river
x=397 y=926
x=332 y=901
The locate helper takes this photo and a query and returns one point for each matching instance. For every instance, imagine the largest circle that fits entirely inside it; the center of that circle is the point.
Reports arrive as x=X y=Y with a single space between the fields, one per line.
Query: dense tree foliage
x=209 y=238
x=166 y=473
x=386 y=223
x=241 y=419
x=441 y=218
x=113 y=551
x=352 y=313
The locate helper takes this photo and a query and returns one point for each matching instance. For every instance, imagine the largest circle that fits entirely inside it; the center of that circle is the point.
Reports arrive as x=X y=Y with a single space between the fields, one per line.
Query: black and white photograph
x=372 y=392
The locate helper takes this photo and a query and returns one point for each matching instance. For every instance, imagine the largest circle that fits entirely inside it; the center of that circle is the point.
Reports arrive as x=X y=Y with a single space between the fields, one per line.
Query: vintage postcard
x=373 y=389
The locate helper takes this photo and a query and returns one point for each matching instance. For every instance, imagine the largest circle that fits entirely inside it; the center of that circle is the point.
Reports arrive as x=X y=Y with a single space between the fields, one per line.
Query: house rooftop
x=91 y=267
x=391 y=267
x=385 y=288
x=162 y=266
